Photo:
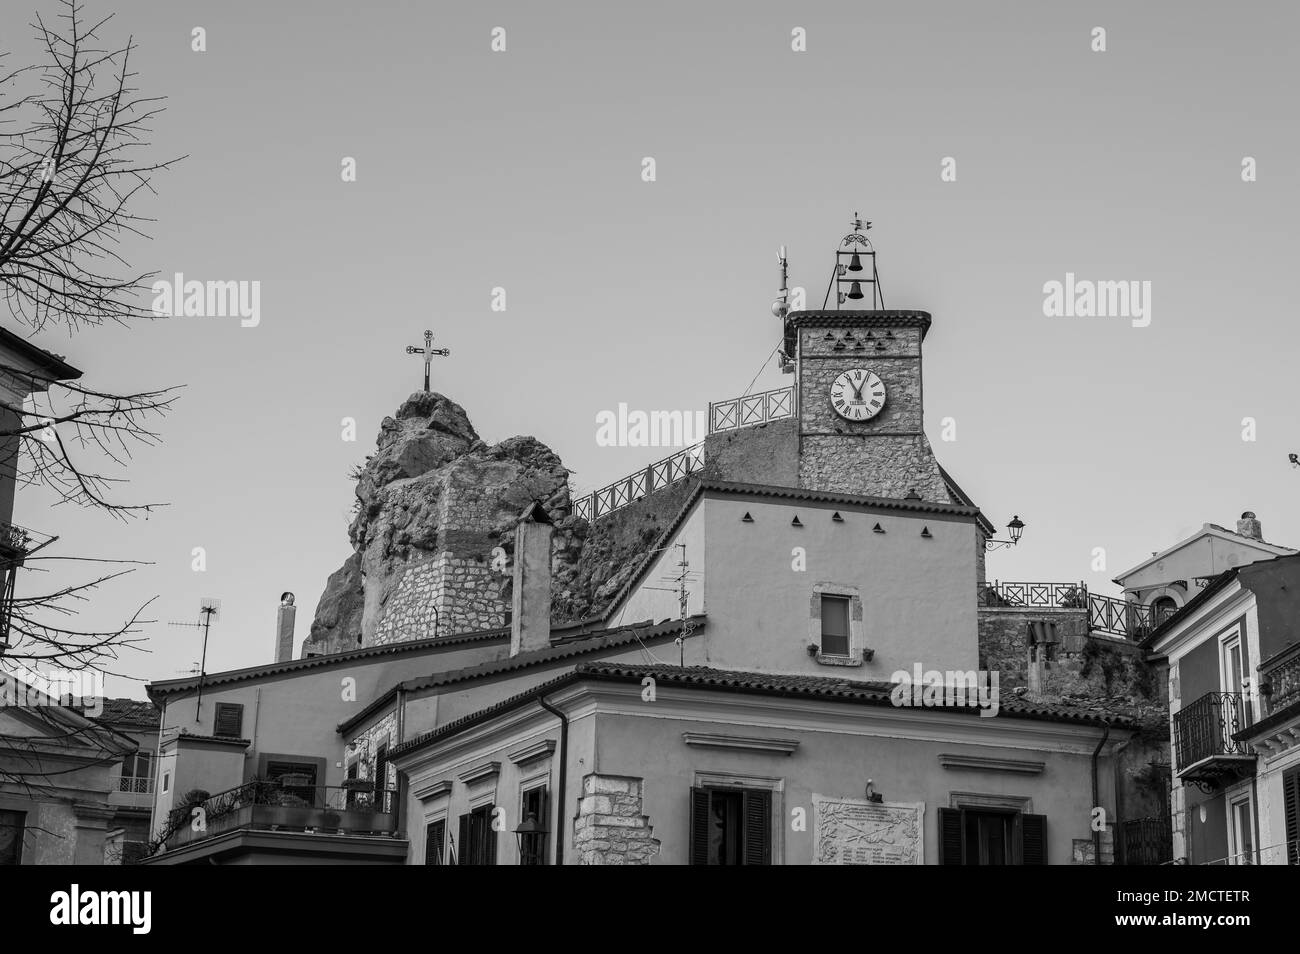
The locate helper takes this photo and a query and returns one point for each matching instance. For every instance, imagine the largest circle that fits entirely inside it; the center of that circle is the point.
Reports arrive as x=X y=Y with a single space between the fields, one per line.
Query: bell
x=855 y=263
x=855 y=292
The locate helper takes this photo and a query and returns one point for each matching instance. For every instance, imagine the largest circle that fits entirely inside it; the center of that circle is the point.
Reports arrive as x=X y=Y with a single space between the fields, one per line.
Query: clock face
x=858 y=395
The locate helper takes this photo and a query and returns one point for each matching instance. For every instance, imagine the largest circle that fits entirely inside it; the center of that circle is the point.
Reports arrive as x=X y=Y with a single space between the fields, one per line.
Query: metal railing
x=1106 y=614
x=1279 y=679
x=751 y=409
x=136 y=786
x=272 y=805
x=641 y=484
x=1203 y=729
x=1146 y=841
x=1033 y=595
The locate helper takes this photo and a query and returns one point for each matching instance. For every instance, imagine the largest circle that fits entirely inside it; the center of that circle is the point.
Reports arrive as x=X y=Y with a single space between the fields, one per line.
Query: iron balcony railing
x=751 y=409
x=1146 y=841
x=1204 y=729
x=264 y=806
x=1106 y=614
x=641 y=484
x=1279 y=679
x=135 y=786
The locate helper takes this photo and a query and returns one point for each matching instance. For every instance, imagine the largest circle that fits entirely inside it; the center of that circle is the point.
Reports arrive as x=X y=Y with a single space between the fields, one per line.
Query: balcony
x=1204 y=749
x=278 y=807
x=1279 y=680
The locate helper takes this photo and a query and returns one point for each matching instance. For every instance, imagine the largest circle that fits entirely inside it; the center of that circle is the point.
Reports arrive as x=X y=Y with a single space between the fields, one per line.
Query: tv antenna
x=683 y=598
x=209 y=612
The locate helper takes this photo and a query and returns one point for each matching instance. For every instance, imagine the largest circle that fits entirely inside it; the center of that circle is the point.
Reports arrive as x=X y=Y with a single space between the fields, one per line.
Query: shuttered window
x=973 y=837
x=435 y=833
x=1291 y=809
x=229 y=720
x=381 y=778
x=835 y=625
x=731 y=826
x=477 y=842
x=11 y=837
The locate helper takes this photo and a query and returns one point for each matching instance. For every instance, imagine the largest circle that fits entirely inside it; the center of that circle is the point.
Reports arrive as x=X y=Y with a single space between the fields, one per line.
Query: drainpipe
x=564 y=748
x=1096 y=794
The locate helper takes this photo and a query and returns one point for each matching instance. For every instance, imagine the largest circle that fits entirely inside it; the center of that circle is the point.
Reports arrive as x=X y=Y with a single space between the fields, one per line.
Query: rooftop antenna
x=209 y=611
x=855 y=246
x=781 y=309
x=683 y=598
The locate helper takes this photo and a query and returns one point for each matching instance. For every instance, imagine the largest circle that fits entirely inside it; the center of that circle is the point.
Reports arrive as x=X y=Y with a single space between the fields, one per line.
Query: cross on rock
x=428 y=351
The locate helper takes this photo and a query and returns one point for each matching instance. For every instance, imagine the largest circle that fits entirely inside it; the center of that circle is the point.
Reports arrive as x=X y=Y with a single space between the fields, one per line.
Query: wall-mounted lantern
x=1015 y=528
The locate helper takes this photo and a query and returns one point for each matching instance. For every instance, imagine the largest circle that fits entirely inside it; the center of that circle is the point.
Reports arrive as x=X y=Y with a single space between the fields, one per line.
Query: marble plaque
x=854 y=831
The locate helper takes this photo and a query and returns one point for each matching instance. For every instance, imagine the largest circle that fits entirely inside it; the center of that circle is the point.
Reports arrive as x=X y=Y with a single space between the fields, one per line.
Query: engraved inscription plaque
x=854 y=831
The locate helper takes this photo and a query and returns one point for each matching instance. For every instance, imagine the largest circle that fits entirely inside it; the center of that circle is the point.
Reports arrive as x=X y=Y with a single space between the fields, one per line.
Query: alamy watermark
x=933 y=688
x=74 y=688
x=179 y=298
x=624 y=428
x=1084 y=298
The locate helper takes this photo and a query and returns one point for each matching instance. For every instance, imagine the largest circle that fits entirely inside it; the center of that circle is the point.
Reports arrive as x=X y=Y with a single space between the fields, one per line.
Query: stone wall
x=876 y=466
x=610 y=828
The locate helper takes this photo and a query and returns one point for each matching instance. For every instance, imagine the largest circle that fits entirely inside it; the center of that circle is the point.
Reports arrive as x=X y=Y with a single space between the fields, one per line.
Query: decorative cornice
x=480 y=772
x=979 y=763
x=741 y=743
x=436 y=790
x=532 y=753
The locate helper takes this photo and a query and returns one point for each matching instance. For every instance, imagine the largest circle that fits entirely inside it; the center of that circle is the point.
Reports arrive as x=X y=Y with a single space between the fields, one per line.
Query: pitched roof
x=964 y=498
x=55 y=368
x=173 y=686
x=1209 y=529
x=883 y=318
x=826 y=688
x=130 y=713
x=618 y=638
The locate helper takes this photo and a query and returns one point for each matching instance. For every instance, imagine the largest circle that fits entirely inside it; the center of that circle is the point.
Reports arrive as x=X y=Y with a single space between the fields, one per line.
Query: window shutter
x=699 y=826
x=951 y=842
x=489 y=837
x=1291 y=809
x=463 y=847
x=758 y=827
x=1033 y=848
x=381 y=777
x=433 y=838
x=229 y=720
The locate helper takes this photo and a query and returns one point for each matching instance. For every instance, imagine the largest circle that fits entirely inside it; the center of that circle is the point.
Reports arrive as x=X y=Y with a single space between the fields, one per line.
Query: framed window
x=1241 y=830
x=835 y=625
x=731 y=826
x=167 y=782
x=229 y=720
x=137 y=773
x=435 y=836
x=12 y=825
x=477 y=844
x=533 y=806
x=1232 y=669
x=990 y=836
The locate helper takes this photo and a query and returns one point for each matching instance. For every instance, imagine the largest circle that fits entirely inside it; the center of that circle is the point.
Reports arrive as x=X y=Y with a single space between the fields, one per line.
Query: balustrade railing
x=1106 y=614
x=1036 y=595
x=274 y=805
x=1279 y=679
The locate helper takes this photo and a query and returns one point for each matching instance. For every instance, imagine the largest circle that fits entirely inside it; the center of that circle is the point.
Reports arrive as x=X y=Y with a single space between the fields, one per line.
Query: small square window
x=835 y=625
x=229 y=720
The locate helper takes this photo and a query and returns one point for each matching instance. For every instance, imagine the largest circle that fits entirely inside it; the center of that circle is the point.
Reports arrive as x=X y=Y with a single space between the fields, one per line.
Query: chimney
x=1248 y=526
x=284 y=616
x=530 y=601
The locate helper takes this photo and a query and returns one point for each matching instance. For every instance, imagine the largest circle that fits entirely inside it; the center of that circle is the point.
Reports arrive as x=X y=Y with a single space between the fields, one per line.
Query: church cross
x=428 y=351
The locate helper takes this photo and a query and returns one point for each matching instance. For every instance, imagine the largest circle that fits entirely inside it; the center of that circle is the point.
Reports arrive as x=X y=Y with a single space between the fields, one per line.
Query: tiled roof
x=130 y=713
x=885 y=318
x=759 y=683
x=171 y=686
x=621 y=637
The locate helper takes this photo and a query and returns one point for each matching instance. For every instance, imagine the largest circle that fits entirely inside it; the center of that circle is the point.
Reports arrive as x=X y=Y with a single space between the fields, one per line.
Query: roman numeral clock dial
x=858 y=394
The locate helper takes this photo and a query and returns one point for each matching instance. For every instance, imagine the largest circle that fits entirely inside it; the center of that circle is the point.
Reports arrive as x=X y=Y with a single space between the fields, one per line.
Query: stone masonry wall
x=610 y=828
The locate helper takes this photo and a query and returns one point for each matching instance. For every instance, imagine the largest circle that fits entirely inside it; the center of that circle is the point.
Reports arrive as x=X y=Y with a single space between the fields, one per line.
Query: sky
x=523 y=170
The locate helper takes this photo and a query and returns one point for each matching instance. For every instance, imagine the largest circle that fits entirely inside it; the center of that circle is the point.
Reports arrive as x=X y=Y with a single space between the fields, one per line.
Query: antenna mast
x=208 y=611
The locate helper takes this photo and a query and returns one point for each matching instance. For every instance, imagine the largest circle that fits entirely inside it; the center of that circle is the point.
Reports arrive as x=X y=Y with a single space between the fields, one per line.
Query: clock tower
x=858 y=386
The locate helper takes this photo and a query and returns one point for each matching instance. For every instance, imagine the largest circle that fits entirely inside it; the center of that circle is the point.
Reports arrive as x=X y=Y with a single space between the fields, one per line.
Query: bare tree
x=74 y=137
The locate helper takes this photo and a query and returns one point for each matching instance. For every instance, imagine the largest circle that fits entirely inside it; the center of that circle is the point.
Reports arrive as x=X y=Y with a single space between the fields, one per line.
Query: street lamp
x=1015 y=528
x=531 y=835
